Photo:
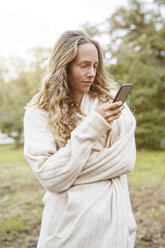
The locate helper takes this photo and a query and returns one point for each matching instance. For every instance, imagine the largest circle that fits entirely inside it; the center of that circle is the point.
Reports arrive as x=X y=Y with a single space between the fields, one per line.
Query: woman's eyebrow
x=87 y=61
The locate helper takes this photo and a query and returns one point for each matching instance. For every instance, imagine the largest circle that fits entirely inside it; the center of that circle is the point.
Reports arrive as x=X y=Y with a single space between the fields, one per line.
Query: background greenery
x=137 y=55
x=134 y=53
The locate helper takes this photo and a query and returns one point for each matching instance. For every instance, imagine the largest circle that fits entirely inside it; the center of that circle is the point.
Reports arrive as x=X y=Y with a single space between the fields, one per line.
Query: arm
x=117 y=158
x=57 y=170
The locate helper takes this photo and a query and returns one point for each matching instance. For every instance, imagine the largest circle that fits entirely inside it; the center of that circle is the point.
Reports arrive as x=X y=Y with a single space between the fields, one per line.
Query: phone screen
x=123 y=93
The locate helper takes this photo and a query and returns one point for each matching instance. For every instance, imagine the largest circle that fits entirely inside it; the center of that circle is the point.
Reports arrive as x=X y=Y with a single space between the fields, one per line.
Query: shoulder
x=35 y=118
x=35 y=112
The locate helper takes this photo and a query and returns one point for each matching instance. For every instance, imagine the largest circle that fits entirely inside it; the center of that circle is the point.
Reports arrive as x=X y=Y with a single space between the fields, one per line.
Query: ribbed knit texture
x=87 y=202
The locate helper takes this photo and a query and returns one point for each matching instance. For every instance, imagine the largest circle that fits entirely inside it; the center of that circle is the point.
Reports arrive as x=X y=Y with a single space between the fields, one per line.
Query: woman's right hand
x=110 y=111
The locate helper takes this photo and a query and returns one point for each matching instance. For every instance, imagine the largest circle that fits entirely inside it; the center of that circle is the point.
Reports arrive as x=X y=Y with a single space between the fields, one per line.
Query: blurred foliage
x=16 y=92
x=137 y=55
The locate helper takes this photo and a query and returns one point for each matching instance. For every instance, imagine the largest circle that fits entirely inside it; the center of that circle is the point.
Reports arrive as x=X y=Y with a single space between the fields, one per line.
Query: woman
x=80 y=146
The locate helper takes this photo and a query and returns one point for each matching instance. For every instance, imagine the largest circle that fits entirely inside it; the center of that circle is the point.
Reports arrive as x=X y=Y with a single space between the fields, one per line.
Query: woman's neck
x=77 y=98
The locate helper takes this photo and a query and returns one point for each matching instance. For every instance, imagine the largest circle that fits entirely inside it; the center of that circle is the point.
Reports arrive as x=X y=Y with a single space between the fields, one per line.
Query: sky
x=29 y=23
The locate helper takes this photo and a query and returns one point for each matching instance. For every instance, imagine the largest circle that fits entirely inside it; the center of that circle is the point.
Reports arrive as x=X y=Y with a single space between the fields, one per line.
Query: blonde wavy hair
x=55 y=95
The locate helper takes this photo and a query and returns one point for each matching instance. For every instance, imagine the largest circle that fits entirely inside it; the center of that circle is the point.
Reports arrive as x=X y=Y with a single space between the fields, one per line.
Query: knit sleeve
x=117 y=159
x=57 y=169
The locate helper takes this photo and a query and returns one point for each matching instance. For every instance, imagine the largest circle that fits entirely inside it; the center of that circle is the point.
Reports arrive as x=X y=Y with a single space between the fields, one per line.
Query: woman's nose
x=91 y=72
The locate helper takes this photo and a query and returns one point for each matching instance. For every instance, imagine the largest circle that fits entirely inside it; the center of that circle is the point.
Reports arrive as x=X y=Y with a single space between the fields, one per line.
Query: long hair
x=55 y=96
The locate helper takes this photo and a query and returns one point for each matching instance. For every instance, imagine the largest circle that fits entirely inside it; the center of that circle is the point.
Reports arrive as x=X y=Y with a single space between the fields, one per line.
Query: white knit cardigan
x=87 y=202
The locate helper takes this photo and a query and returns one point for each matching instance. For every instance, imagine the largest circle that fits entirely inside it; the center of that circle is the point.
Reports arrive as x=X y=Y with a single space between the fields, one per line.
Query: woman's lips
x=87 y=82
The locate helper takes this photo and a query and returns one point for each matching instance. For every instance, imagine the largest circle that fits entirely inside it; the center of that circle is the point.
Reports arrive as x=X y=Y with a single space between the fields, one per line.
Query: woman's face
x=82 y=70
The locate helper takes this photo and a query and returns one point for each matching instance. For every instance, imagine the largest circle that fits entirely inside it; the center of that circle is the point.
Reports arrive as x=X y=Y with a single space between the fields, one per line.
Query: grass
x=147 y=190
x=150 y=167
x=21 y=199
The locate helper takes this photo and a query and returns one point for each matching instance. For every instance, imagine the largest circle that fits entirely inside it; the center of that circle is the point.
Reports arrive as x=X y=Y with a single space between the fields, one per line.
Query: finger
x=112 y=118
x=115 y=105
x=115 y=112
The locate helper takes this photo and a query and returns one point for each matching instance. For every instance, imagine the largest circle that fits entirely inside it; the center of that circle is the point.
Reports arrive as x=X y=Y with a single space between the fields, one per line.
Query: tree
x=11 y=111
x=137 y=50
x=16 y=92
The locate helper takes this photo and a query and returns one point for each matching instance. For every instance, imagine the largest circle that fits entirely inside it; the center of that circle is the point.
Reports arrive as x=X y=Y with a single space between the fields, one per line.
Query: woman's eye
x=86 y=65
x=83 y=65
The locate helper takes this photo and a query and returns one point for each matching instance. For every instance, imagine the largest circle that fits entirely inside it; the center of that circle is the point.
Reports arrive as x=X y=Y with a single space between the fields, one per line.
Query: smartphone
x=123 y=93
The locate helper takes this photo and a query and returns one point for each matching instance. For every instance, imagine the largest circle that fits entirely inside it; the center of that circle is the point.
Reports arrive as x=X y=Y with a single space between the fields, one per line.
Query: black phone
x=123 y=93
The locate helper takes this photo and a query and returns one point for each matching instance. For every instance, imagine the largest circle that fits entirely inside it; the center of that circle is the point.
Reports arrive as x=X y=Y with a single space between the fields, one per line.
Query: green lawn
x=21 y=199
x=150 y=167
